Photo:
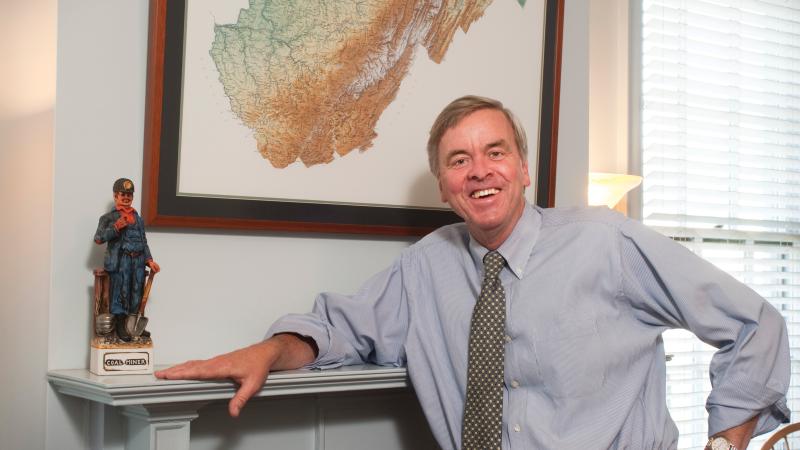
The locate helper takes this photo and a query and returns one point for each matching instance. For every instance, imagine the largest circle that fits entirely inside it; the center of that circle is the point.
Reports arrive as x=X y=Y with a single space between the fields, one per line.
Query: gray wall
x=211 y=281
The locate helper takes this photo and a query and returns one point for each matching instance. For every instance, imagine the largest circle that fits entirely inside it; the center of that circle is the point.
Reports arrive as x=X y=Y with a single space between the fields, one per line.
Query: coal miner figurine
x=126 y=256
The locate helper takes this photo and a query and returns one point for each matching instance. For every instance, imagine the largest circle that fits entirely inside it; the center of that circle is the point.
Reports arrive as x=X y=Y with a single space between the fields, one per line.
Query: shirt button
x=514 y=384
x=508 y=338
x=517 y=428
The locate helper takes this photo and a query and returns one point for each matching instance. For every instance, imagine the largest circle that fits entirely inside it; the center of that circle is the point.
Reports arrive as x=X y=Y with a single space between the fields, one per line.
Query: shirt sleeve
x=670 y=287
x=105 y=229
x=368 y=327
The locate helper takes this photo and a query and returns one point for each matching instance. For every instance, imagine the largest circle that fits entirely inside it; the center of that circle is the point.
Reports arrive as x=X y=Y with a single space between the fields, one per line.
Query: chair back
x=780 y=440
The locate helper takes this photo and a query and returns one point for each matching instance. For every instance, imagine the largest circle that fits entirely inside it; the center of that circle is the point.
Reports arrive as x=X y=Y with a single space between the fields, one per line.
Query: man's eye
x=495 y=154
x=458 y=162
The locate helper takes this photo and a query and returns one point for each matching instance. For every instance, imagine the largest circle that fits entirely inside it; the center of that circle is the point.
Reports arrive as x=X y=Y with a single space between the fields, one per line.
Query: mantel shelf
x=126 y=390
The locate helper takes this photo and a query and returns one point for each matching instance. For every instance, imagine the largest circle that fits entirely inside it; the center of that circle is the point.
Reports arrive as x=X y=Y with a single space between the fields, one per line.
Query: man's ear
x=441 y=191
x=527 y=181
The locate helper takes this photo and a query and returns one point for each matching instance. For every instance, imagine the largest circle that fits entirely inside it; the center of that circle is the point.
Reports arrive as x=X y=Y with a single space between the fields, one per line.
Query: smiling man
x=483 y=174
x=529 y=328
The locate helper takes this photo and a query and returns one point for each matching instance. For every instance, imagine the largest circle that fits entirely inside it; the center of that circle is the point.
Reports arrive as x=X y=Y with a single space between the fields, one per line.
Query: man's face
x=483 y=176
x=123 y=199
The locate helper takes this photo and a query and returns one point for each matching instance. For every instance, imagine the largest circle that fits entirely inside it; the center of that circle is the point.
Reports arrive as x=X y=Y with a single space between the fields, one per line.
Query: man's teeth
x=484 y=193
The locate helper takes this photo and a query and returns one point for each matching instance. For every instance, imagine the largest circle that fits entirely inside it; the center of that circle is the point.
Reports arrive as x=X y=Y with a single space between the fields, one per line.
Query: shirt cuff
x=301 y=324
x=727 y=408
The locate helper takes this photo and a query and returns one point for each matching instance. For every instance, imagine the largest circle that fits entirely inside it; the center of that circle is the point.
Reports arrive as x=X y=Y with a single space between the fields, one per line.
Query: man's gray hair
x=459 y=108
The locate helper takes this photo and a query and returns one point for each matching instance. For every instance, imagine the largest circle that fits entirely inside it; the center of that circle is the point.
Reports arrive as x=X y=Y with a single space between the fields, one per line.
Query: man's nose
x=480 y=168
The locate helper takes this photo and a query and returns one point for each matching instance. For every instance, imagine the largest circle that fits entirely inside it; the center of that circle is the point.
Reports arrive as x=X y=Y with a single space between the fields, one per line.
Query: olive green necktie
x=483 y=412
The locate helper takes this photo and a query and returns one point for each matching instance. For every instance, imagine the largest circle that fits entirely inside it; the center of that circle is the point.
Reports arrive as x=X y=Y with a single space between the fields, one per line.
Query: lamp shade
x=609 y=188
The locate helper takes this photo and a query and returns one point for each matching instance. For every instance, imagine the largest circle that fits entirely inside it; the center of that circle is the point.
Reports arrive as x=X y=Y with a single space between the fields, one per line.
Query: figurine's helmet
x=123 y=185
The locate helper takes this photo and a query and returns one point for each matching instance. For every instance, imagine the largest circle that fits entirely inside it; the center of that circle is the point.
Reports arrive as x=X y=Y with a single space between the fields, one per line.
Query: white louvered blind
x=720 y=142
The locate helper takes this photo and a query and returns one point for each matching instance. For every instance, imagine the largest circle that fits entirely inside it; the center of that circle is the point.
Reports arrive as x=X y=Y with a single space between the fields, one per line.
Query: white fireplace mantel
x=159 y=412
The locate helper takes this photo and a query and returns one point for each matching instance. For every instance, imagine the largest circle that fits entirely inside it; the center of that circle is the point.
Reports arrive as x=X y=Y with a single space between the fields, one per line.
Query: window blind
x=720 y=149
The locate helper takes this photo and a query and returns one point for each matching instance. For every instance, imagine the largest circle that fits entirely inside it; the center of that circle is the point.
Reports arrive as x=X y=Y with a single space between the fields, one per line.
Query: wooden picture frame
x=163 y=207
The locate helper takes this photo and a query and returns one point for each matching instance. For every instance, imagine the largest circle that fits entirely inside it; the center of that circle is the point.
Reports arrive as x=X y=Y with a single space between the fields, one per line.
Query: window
x=719 y=134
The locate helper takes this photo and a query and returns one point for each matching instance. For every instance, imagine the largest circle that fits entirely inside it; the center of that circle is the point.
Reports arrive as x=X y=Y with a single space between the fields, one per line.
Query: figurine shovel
x=136 y=323
x=103 y=321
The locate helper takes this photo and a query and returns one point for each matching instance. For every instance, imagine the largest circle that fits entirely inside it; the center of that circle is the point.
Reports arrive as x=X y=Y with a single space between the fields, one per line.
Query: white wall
x=27 y=90
x=217 y=290
x=608 y=86
x=572 y=168
x=209 y=280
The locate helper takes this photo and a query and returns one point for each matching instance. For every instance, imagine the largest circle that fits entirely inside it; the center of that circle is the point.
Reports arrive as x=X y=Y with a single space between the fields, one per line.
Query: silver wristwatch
x=719 y=443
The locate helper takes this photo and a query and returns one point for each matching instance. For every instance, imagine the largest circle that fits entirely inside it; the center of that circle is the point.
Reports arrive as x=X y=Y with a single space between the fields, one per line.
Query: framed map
x=305 y=116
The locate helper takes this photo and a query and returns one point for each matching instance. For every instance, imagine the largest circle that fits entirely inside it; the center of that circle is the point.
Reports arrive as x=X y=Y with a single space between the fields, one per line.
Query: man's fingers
x=191 y=370
x=248 y=367
x=174 y=372
x=235 y=405
x=248 y=388
x=210 y=370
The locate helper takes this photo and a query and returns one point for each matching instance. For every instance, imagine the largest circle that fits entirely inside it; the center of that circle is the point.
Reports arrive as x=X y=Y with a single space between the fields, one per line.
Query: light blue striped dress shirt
x=589 y=293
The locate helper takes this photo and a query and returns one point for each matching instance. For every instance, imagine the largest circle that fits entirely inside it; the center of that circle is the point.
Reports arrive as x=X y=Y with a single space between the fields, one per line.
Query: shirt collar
x=517 y=248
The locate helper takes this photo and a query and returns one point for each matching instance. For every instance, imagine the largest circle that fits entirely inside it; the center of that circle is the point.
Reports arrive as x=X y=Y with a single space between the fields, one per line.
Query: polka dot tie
x=483 y=412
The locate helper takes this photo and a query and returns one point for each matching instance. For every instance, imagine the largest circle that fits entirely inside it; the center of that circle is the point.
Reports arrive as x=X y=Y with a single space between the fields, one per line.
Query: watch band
x=719 y=443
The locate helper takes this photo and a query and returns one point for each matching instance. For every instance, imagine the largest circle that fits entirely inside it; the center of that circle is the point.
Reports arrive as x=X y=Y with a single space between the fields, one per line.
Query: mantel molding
x=126 y=390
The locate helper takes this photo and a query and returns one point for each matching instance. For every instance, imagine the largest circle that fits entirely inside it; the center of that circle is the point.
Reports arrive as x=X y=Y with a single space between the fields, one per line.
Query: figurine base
x=111 y=356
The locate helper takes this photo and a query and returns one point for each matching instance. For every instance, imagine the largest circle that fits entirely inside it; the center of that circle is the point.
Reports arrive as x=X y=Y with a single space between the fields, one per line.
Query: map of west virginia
x=312 y=78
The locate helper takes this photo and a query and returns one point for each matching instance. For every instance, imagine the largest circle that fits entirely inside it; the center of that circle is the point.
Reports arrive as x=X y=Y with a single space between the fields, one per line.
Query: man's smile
x=485 y=193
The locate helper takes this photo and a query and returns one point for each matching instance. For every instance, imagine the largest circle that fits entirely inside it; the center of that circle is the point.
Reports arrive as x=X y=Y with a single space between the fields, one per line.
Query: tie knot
x=493 y=264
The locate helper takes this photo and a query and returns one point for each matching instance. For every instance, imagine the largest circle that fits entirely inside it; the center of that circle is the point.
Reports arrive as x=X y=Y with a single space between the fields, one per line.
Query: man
x=126 y=255
x=586 y=293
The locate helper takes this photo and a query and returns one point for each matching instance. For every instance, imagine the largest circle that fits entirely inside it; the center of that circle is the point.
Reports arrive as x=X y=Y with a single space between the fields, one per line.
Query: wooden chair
x=782 y=437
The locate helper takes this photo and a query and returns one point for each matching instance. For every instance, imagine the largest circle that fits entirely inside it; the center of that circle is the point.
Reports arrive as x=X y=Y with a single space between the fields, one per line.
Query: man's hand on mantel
x=248 y=367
